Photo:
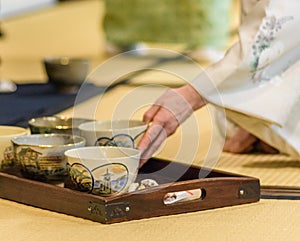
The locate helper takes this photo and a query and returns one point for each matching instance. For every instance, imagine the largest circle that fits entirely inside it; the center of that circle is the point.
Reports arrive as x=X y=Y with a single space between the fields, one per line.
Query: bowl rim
x=33 y=122
x=70 y=153
x=81 y=140
x=17 y=131
x=82 y=127
x=58 y=60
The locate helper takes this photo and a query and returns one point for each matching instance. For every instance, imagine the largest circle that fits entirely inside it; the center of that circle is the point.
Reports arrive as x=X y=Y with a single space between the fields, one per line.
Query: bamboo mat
x=272 y=170
x=268 y=220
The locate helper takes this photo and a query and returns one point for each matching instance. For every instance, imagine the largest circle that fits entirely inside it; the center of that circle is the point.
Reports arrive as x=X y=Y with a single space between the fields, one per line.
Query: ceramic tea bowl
x=55 y=124
x=65 y=72
x=124 y=133
x=103 y=170
x=6 y=150
x=42 y=157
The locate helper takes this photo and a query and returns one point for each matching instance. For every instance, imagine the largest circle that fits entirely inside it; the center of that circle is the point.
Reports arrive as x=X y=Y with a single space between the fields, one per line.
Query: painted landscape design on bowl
x=39 y=165
x=104 y=180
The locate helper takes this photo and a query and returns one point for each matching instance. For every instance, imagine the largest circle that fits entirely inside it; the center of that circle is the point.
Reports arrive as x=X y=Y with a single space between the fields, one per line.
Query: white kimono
x=258 y=81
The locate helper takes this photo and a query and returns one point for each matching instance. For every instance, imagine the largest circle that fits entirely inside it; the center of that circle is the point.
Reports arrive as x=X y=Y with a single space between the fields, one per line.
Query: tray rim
x=166 y=186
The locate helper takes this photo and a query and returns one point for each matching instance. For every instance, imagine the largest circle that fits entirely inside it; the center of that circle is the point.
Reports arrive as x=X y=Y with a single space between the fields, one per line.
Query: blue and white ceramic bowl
x=103 y=170
x=123 y=133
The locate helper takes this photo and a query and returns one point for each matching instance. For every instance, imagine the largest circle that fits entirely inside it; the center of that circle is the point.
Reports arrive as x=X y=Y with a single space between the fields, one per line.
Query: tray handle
x=215 y=193
x=186 y=195
x=212 y=189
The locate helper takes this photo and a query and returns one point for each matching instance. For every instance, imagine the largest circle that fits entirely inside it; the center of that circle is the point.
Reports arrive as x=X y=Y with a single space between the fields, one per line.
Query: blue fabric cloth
x=35 y=100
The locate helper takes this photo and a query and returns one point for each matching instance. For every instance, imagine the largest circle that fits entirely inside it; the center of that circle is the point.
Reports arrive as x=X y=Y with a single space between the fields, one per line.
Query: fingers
x=164 y=124
x=149 y=114
x=244 y=142
x=151 y=141
x=169 y=110
x=241 y=142
x=265 y=148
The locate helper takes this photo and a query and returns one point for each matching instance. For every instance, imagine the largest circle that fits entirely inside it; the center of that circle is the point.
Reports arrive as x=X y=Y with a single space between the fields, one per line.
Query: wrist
x=192 y=96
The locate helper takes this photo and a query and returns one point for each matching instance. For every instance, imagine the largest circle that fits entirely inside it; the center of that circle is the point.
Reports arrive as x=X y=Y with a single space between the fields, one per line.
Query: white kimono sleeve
x=258 y=80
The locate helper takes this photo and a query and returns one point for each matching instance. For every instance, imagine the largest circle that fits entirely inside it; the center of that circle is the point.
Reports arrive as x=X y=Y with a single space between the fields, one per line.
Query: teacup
x=6 y=150
x=66 y=73
x=42 y=157
x=56 y=124
x=124 y=133
x=103 y=170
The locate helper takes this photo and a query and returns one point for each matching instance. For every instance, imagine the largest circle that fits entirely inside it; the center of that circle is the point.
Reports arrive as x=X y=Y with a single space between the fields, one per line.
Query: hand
x=168 y=112
x=244 y=142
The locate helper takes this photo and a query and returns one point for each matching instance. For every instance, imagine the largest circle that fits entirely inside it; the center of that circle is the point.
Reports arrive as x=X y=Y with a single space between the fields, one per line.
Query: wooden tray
x=219 y=189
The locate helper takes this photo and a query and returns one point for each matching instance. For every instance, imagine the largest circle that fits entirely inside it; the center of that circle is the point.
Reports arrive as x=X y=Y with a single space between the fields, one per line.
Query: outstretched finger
x=153 y=147
x=150 y=114
x=151 y=141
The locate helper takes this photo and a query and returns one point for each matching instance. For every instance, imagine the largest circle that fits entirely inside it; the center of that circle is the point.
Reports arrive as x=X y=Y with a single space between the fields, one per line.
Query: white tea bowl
x=103 y=170
x=124 y=133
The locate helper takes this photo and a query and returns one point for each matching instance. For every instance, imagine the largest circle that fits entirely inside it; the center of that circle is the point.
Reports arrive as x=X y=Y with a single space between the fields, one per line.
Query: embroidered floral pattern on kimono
x=266 y=35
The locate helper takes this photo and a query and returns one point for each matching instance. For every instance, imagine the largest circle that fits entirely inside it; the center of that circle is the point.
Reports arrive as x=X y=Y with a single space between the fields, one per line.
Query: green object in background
x=197 y=23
